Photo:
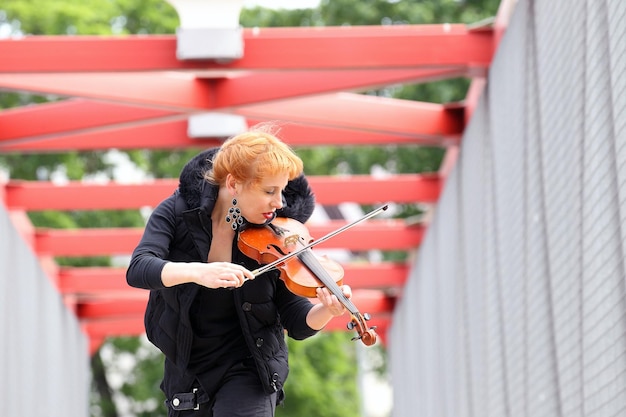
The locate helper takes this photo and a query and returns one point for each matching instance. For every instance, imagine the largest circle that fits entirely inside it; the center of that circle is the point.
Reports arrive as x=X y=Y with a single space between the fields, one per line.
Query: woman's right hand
x=210 y=275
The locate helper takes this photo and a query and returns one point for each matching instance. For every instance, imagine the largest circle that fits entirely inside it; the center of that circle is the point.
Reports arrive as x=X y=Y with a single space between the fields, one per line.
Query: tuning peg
x=366 y=316
x=350 y=325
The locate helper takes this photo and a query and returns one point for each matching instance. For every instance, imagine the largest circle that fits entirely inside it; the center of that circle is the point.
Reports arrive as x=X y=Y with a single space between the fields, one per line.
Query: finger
x=229 y=282
x=232 y=277
x=337 y=304
x=235 y=275
x=324 y=295
x=232 y=272
x=240 y=278
x=328 y=299
x=246 y=274
x=347 y=291
x=331 y=302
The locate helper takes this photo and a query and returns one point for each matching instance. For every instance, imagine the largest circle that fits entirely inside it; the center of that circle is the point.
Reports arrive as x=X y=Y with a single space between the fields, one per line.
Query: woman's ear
x=231 y=184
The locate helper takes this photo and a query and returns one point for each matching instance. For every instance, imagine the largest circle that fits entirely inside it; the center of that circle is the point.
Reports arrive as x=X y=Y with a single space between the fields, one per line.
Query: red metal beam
x=77 y=280
x=153 y=134
x=397 y=46
x=366 y=47
x=75 y=195
x=368 y=301
x=176 y=92
x=113 y=326
x=173 y=134
x=98 y=309
x=99 y=329
x=375 y=234
x=69 y=115
x=328 y=119
x=86 y=242
x=168 y=134
x=183 y=92
x=260 y=88
x=108 y=282
x=107 y=319
x=301 y=134
x=366 y=113
x=372 y=235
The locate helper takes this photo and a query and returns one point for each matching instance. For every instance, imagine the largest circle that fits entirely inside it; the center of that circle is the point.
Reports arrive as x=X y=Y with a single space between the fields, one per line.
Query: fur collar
x=197 y=192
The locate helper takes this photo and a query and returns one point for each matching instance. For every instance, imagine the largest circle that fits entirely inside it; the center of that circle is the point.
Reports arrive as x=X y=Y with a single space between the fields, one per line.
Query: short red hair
x=253 y=155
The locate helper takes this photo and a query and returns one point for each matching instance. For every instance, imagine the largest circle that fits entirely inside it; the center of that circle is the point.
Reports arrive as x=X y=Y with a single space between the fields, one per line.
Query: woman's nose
x=279 y=201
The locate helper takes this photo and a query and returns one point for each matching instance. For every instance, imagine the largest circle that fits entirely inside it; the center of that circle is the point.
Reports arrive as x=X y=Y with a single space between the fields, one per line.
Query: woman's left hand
x=331 y=302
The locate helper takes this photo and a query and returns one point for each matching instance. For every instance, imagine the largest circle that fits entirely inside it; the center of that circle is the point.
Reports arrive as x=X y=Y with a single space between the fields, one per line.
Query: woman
x=220 y=328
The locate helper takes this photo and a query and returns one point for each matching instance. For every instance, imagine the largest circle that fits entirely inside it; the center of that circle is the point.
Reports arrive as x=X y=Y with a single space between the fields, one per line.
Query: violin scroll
x=366 y=334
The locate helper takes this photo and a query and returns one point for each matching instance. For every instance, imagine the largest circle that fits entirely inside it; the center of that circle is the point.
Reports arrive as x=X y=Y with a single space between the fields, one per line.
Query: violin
x=286 y=245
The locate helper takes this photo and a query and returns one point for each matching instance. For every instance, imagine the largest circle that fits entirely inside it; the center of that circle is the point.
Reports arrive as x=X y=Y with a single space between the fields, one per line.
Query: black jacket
x=179 y=229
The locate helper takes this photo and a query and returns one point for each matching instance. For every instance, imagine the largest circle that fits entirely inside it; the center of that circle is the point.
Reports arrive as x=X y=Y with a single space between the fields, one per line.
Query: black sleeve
x=293 y=310
x=149 y=257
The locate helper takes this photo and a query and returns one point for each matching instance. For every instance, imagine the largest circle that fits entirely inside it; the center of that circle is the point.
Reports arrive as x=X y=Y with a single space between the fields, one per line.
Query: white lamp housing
x=209 y=29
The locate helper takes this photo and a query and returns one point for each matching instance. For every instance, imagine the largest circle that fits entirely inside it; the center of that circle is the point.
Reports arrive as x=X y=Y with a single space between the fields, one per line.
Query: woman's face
x=259 y=201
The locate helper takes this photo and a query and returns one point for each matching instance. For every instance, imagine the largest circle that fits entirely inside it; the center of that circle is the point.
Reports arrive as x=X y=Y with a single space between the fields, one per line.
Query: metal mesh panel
x=44 y=361
x=516 y=305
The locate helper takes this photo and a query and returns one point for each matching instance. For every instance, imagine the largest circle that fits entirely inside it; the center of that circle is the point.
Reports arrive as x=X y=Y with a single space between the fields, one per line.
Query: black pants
x=240 y=395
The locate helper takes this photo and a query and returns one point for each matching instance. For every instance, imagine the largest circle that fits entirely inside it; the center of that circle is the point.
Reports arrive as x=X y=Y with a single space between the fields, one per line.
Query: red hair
x=253 y=155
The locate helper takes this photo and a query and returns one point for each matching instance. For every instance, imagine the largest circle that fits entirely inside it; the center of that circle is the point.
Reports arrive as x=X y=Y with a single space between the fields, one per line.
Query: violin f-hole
x=277 y=249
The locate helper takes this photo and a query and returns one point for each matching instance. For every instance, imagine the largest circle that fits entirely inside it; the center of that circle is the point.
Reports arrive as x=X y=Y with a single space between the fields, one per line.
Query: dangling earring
x=234 y=216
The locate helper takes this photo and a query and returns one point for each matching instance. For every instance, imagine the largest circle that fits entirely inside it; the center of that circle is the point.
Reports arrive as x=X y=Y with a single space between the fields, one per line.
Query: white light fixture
x=215 y=125
x=209 y=29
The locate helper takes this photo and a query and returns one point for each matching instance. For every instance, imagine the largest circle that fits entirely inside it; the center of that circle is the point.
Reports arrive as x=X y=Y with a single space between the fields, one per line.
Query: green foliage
x=13 y=99
x=334 y=160
x=144 y=16
x=445 y=91
x=166 y=164
x=261 y=17
x=93 y=17
x=132 y=367
x=84 y=219
x=149 y=367
x=373 y=12
x=71 y=165
x=323 y=377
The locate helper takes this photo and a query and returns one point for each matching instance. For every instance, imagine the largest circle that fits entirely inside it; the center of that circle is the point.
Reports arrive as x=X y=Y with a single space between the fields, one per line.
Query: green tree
x=319 y=363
